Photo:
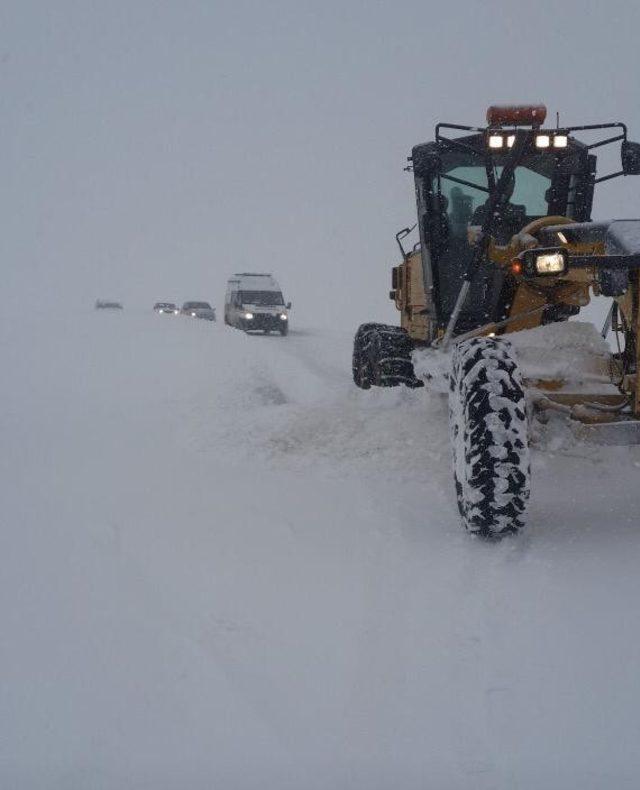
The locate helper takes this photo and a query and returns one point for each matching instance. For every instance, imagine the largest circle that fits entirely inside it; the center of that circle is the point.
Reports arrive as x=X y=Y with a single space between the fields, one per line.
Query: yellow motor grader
x=506 y=243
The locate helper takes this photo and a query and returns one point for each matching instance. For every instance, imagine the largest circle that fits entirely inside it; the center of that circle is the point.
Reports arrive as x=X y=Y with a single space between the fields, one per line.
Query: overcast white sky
x=149 y=149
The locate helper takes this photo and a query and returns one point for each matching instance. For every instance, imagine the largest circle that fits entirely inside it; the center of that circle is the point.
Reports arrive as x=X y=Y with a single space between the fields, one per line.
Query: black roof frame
x=453 y=143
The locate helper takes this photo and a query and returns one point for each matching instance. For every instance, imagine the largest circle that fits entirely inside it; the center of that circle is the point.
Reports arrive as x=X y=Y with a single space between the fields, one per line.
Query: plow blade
x=621 y=433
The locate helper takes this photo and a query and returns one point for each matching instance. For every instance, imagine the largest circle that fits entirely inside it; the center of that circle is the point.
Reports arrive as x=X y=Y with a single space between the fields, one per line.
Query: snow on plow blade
x=622 y=433
x=623 y=237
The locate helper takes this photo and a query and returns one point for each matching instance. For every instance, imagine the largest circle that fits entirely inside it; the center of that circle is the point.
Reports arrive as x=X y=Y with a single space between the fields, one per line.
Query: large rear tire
x=489 y=436
x=382 y=357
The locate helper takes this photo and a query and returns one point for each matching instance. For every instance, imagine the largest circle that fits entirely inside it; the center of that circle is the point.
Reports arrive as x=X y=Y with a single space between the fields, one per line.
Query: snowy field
x=223 y=566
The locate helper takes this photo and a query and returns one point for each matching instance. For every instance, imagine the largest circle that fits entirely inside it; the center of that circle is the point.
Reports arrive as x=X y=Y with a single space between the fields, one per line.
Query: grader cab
x=505 y=243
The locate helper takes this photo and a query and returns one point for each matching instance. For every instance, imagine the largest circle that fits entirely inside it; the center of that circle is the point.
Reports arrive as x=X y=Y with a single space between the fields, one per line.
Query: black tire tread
x=382 y=357
x=489 y=437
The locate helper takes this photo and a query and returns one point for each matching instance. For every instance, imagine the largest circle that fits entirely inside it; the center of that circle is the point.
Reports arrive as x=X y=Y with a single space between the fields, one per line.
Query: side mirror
x=630 y=158
x=288 y=305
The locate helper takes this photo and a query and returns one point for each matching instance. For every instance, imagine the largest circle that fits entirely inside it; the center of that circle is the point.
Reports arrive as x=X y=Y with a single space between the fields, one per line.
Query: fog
x=223 y=564
x=151 y=149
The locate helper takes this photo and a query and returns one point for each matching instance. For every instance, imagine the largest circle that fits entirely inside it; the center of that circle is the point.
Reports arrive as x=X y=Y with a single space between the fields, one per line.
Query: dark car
x=166 y=307
x=104 y=304
x=199 y=310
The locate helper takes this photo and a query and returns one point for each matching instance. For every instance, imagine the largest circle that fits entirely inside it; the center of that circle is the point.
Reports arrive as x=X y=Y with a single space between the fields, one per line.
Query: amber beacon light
x=516 y=115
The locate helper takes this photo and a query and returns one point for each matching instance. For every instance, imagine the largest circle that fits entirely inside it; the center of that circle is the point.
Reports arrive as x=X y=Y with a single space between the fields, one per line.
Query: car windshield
x=197 y=306
x=262 y=298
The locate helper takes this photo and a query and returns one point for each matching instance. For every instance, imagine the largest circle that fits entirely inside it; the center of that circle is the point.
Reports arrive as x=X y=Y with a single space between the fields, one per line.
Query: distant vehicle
x=166 y=307
x=199 y=310
x=254 y=302
x=103 y=304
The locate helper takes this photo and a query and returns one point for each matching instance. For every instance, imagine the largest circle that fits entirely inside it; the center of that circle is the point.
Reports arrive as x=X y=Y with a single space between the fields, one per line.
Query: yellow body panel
x=531 y=294
x=411 y=300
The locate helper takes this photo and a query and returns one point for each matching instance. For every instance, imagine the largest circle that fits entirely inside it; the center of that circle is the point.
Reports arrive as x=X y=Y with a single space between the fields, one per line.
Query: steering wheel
x=505 y=254
x=537 y=224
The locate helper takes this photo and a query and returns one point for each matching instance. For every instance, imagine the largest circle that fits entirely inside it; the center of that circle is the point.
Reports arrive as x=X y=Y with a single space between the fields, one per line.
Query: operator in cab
x=509 y=218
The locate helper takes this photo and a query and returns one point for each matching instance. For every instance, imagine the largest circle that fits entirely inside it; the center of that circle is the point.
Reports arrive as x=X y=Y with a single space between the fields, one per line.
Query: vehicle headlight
x=543 y=141
x=193 y=314
x=500 y=140
x=175 y=312
x=283 y=316
x=552 y=263
x=248 y=316
x=549 y=262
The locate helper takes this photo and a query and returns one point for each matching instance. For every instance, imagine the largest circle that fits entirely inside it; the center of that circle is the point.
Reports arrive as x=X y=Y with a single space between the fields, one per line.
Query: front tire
x=489 y=436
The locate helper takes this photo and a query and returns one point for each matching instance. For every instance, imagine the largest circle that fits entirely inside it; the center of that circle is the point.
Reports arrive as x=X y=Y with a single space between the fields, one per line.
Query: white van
x=255 y=302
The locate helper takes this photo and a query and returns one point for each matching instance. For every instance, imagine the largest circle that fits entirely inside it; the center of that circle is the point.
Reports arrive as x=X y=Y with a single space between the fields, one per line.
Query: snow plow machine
x=506 y=252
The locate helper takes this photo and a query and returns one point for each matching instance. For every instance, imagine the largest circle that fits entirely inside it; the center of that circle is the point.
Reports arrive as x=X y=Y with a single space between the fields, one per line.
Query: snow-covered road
x=223 y=566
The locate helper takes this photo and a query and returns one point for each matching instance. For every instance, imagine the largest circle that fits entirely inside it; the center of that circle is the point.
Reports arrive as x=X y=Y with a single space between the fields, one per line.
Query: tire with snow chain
x=488 y=420
x=382 y=357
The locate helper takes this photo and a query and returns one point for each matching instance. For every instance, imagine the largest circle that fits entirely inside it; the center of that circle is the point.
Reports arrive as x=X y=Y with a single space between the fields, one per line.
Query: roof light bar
x=497 y=140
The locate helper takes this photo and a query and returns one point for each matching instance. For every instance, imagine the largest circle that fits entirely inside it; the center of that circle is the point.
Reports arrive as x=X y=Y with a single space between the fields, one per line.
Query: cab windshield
x=261 y=298
x=466 y=205
x=460 y=200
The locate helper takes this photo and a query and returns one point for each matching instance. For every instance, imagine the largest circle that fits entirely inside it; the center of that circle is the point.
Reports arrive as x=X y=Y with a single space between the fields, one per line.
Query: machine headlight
x=248 y=316
x=498 y=141
x=550 y=262
x=283 y=316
